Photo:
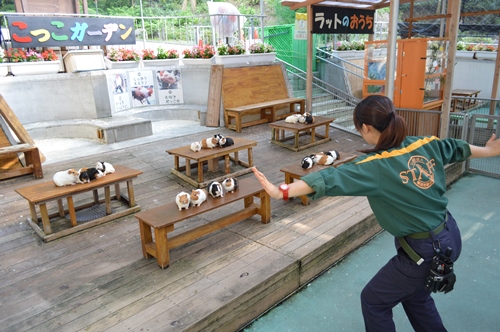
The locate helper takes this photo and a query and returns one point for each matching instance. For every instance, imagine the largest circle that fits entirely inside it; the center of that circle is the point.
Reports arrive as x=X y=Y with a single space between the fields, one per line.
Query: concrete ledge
x=106 y=130
x=170 y=112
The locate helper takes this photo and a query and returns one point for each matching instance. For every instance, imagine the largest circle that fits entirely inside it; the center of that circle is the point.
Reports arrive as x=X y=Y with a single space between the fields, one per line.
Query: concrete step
x=105 y=130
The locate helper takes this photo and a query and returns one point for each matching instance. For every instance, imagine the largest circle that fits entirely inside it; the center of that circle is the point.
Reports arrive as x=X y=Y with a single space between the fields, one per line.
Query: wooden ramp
x=12 y=163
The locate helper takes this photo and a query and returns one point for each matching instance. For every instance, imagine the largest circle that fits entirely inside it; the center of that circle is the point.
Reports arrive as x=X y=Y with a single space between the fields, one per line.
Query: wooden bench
x=295 y=171
x=31 y=157
x=258 y=93
x=211 y=157
x=161 y=220
x=279 y=128
x=46 y=192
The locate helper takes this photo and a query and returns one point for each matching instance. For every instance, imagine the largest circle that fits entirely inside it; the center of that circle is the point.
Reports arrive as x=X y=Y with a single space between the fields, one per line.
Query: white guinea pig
x=104 y=167
x=69 y=177
x=198 y=196
x=196 y=146
x=183 y=199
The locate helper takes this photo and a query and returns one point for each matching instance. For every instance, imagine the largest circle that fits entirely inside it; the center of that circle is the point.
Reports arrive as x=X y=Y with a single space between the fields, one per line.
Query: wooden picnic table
x=466 y=102
x=41 y=194
x=279 y=128
x=211 y=157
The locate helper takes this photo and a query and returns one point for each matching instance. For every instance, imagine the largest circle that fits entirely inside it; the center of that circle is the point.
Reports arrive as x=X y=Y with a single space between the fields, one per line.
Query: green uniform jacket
x=404 y=185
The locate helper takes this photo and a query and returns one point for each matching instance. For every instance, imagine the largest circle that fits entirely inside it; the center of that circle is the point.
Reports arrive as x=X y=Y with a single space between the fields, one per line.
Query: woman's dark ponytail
x=379 y=112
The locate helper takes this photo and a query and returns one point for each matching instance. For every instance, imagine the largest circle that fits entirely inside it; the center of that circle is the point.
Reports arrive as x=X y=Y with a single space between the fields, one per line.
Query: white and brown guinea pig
x=209 y=143
x=198 y=196
x=183 y=199
x=195 y=146
x=226 y=141
x=230 y=184
x=294 y=118
x=307 y=162
x=215 y=189
x=69 y=177
x=104 y=167
x=335 y=154
x=323 y=159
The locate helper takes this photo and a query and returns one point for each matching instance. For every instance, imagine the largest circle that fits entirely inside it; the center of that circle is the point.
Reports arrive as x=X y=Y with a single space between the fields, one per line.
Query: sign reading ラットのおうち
x=342 y=20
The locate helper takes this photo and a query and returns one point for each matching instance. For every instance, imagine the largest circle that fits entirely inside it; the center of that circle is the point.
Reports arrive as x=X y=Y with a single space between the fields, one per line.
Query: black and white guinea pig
x=83 y=176
x=307 y=162
x=69 y=177
x=104 y=167
x=92 y=173
x=215 y=189
x=230 y=184
x=226 y=141
x=219 y=138
x=308 y=118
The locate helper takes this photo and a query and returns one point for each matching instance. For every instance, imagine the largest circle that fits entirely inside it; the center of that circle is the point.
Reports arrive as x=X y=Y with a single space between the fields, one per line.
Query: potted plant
x=31 y=62
x=162 y=57
x=121 y=58
x=227 y=54
x=262 y=52
x=198 y=55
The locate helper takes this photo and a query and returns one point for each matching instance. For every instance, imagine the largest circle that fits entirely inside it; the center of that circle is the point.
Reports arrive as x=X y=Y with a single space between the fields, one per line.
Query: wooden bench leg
x=238 y=123
x=95 y=194
x=131 y=195
x=265 y=207
x=71 y=211
x=33 y=158
x=146 y=237
x=162 y=253
x=60 y=208
x=118 y=193
x=45 y=219
x=34 y=215
x=107 y=200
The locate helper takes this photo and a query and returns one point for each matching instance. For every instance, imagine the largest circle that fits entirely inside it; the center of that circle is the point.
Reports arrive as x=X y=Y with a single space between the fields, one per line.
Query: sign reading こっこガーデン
x=69 y=31
x=342 y=20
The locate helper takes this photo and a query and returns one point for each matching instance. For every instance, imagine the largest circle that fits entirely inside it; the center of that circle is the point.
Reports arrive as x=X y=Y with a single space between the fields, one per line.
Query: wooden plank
x=214 y=96
x=16 y=126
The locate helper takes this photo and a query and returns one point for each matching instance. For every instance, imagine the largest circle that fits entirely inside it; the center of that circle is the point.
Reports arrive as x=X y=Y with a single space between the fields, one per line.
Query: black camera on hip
x=441 y=276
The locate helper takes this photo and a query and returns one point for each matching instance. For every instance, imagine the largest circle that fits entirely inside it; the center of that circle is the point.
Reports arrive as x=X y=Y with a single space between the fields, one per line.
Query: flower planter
x=161 y=62
x=262 y=57
x=120 y=64
x=34 y=68
x=84 y=60
x=196 y=62
x=4 y=69
x=231 y=59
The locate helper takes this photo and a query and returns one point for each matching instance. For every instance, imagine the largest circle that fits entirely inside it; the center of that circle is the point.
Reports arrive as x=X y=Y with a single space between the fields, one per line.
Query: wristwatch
x=284 y=189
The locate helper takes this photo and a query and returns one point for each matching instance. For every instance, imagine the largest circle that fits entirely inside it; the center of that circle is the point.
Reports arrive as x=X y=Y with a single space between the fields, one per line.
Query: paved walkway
x=331 y=302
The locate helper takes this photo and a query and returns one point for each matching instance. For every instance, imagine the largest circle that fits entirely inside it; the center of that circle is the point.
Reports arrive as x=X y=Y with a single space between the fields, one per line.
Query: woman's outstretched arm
x=491 y=149
x=297 y=188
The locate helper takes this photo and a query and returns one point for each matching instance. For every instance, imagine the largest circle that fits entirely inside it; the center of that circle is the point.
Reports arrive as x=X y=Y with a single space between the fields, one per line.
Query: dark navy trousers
x=401 y=280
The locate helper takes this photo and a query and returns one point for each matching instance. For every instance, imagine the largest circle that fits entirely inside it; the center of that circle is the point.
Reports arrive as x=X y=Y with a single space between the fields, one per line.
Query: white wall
x=475 y=74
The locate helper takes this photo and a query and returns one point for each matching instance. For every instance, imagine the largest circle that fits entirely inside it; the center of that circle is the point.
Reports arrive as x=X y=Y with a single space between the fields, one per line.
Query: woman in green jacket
x=404 y=179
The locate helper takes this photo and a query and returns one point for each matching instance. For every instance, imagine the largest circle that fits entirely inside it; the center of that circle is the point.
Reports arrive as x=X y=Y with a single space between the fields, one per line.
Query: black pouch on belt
x=441 y=276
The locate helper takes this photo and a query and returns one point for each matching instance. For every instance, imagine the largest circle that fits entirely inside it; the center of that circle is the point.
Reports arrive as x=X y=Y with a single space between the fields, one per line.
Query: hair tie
x=391 y=115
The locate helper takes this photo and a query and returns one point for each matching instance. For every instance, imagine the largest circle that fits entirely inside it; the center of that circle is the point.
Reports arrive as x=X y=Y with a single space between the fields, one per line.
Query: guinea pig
x=307 y=162
x=215 y=189
x=198 y=196
x=183 y=200
x=69 y=177
x=83 y=176
x=226 y=141
x=219 y=138
x=323 y=159
x=195 y=146
x=93 y=173
x=209 y=143
x=294 y=118
x=104 y=167
x=335 y=154
x=307 y=118
x=230 y=184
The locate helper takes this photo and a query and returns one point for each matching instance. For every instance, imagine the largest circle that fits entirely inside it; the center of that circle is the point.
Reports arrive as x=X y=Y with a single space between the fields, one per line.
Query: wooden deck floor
x=97 y=279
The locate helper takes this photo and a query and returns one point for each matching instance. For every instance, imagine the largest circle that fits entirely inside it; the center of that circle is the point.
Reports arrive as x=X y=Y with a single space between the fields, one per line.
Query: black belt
x=423 y=235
